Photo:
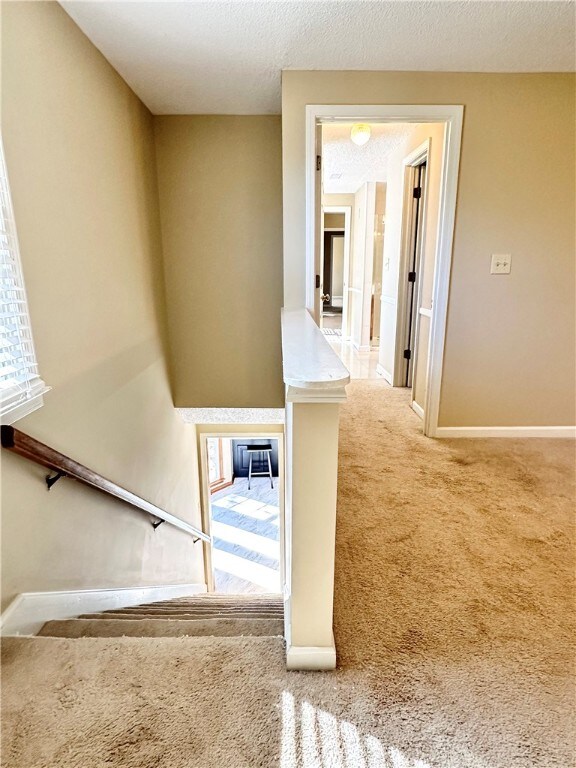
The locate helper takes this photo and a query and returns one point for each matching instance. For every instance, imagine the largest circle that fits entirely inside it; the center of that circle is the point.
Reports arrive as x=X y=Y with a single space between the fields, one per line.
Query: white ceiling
x=226 y=56
x=353 y=164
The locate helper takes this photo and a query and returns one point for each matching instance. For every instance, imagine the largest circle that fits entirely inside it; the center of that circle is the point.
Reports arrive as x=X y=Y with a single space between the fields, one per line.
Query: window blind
x=20 y=384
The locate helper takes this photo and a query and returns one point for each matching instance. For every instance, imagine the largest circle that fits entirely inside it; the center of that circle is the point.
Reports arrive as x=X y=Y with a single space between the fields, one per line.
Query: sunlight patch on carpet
x=313 y=738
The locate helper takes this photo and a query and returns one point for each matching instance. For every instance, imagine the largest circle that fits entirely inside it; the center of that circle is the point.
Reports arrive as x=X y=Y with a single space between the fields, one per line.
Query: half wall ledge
x=308 y=360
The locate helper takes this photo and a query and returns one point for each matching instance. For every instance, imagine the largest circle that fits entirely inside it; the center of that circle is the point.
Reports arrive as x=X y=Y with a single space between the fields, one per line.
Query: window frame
x=12 y=406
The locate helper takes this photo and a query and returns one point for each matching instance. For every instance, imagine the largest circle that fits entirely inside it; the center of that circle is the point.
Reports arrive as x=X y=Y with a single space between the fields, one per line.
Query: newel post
x=314 y=392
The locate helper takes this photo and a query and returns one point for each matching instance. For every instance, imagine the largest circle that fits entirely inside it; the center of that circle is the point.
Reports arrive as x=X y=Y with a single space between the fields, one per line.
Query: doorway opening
x=243 y=512
x=334 y=267
x=399 y=182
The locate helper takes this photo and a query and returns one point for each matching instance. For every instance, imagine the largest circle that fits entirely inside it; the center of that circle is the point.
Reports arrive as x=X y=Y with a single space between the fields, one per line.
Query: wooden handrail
x=30 y=448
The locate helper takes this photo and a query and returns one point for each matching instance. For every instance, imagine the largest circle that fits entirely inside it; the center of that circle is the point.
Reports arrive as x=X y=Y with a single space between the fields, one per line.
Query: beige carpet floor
x=453 y=620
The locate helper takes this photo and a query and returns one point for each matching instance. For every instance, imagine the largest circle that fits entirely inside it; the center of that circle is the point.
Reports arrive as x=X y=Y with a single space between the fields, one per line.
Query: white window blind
x=21 y=387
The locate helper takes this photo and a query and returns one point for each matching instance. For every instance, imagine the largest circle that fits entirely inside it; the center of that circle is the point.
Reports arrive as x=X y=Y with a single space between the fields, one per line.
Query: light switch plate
x=501 y=264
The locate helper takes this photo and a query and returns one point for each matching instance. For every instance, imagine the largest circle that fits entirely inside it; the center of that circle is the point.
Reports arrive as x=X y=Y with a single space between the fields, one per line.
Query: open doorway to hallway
x=335 y=264
x=242 y=478
x=395 y=170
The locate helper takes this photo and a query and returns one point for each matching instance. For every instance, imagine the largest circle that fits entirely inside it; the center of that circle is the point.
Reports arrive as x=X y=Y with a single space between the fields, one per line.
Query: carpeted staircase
x=197 y=616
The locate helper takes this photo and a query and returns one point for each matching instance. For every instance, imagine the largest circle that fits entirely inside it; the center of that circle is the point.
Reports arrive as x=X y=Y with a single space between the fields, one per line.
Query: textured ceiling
x=226 y=57
x=355 y=165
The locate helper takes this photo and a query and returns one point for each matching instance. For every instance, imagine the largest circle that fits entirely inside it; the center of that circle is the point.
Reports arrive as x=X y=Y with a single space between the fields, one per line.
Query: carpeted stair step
x=207 y=608
x=198 y=611
x=110 y=627
x=194 y=610
x=195 y=616
x=213 y=603
x=181 y=616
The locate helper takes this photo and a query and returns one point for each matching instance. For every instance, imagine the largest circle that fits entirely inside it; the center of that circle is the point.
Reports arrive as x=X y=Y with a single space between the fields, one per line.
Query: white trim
x=418 y=155
x=205 y=495
x=28 y=612
x=517 y=432
x=425 y=312
x=384 y=373
x=388 y=300
x=452 y=115
x=287 y=608
x=311 y=657
x=297 y=395
x=25 y=408
x=417 y=409
x=205 y=510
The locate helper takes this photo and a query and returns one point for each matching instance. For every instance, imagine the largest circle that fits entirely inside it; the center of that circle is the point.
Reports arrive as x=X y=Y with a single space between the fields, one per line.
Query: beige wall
x=79 y=149
x=510 y=340
x=334 y=221
x=221 y=212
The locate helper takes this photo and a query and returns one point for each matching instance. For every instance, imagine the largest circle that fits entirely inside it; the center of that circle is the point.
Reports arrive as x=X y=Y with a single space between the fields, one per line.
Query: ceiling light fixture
x=360 y=133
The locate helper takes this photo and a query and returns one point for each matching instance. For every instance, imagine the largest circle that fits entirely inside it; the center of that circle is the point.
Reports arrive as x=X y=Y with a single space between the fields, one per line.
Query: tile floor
x=246 y=534
x=362 y=365
x=332 y=320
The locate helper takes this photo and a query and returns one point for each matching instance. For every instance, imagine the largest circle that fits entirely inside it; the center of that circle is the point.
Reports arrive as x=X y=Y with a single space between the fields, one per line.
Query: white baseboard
x=417 y=409
x=384 y=373
x=311 y=657
x=30 y=610
x=517 y=432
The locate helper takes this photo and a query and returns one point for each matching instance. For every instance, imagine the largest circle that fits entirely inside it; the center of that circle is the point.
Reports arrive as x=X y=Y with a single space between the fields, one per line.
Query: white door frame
x=249 y=434
x=347 y=211
x=410 y=162
x=452 y=116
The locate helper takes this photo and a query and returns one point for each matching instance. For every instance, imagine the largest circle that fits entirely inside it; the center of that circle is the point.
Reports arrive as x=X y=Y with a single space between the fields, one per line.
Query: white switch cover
x=500 y=264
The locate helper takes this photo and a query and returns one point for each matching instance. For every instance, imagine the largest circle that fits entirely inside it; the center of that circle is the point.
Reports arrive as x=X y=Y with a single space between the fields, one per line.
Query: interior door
x=318 y=229
x=333 y=273
x=414 y=274
x=362 y=266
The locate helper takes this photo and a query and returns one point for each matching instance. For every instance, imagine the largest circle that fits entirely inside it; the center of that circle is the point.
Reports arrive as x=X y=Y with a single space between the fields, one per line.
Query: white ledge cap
x=308 y=360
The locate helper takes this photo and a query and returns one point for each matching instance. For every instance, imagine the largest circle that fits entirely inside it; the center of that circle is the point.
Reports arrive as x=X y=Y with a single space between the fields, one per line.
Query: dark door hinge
x=317 y=281
x=411 y=277
x=417 y=193
x=318 y=162
x=407 y=354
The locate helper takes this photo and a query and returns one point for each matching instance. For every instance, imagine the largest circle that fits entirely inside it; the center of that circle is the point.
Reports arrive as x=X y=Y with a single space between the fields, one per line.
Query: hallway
x=453 y=619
